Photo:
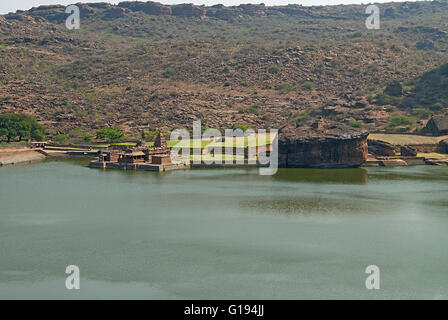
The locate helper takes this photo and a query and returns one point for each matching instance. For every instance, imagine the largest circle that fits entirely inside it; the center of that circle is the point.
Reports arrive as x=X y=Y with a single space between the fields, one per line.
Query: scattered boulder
x=408 y=151
x=322 y=144
x=381 y=148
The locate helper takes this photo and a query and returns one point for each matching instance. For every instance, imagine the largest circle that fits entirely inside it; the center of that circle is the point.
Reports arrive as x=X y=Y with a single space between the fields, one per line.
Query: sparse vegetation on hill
x=146 y=66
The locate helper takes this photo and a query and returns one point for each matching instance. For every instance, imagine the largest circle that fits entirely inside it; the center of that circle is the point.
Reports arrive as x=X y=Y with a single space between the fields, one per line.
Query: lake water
x=223 y=234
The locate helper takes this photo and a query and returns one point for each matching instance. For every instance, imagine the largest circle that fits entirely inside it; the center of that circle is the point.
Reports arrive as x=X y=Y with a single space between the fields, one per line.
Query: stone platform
x=139 y=166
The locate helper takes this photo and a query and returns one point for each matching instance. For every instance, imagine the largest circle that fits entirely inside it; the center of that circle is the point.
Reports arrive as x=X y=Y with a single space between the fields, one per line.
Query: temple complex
x=140 y=157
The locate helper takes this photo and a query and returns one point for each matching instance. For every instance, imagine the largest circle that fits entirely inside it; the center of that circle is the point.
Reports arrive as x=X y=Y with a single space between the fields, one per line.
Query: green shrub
x=400 y=120
x=86 y=137
x=384 y=99
x=169 y=72
x=356 y=124
x=274 y=69
x=421 y=113
x=244 y=127
x=436 y=106
x=253 y=110
x=61 y=138
x=308 y=85
x=110 y=134
x=284 y=87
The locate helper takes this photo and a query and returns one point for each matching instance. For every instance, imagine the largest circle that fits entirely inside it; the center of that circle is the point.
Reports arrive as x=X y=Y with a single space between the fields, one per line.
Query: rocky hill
x=144 y=65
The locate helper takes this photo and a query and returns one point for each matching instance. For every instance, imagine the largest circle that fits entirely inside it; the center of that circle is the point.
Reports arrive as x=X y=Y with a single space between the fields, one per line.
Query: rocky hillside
x=144 y=65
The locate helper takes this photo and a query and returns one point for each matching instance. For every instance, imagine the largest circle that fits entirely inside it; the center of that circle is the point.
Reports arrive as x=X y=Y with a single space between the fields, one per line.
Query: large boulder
x=408 y=151
x=322 y=144
x=443 y=146
x=381 y=148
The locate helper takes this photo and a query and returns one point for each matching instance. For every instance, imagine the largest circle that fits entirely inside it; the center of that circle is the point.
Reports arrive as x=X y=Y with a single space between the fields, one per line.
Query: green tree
x=110 y=134
x=61 y=138
x=21 y=126
x=86 y=137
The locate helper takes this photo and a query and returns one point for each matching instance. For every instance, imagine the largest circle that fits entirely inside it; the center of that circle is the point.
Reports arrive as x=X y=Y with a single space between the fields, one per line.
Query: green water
x=225 y=234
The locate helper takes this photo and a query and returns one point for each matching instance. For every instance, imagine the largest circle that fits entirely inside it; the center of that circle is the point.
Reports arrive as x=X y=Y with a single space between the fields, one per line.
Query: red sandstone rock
x=323 y=145
x=381 y=148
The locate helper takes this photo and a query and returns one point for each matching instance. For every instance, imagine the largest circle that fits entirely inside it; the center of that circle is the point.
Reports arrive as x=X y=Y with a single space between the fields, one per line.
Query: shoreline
x=21 y=156
x=26 y=155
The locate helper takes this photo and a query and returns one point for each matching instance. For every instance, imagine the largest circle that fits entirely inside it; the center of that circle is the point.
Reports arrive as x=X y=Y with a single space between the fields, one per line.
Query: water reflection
x=351 y=176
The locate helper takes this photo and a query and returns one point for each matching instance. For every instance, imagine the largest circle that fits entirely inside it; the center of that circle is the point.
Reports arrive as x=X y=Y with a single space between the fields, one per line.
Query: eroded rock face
x=381 y=148
x=323 y=144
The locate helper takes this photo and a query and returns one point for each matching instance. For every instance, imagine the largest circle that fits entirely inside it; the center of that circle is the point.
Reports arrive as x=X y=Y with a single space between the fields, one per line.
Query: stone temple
x=140 y=157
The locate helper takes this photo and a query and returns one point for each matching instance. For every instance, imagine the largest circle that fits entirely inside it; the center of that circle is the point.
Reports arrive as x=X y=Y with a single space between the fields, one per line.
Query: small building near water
x=38 y=144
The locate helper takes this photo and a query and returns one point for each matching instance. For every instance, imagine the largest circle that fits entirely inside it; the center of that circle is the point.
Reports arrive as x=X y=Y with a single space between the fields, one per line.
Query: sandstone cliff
x=322 y=144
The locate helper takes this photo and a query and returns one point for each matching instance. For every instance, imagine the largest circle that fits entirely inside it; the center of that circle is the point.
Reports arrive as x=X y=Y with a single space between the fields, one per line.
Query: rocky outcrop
x=322 y=144
x=57 y=14
x=381 y=148
x=188 y=10
x=116 y=12
x=443 y=146
x=50 y=12
x=223 y=13
x=254 y=9
x=408 y=151
x=151 y=8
